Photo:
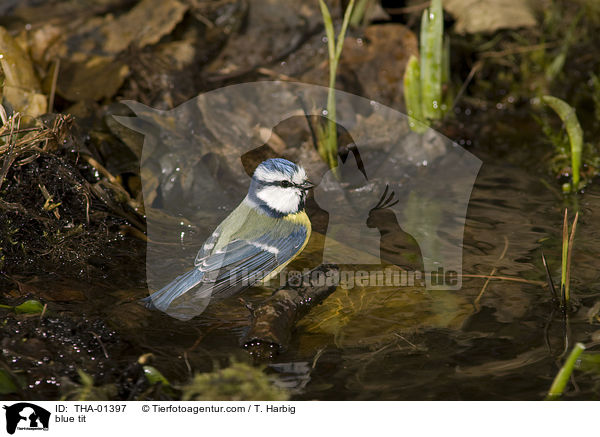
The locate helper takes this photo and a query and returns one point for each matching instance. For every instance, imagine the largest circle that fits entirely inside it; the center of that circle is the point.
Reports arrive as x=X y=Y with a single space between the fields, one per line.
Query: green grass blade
x=154 y=376
x=30 y=307
x=412 y=95
x=328 y=29
x=358 y=14
x=558 y=62
x=431 y=46
x=569 y=118
x=328 y=145
x=563 y=375
x=342 y=35
x=326 y=142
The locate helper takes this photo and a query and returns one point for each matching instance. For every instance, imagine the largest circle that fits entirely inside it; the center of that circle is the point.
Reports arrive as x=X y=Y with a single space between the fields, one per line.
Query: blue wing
x=224 y=272
x=243 y=262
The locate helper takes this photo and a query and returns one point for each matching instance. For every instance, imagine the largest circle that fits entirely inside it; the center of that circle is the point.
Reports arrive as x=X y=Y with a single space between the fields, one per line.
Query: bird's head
x=279 y=187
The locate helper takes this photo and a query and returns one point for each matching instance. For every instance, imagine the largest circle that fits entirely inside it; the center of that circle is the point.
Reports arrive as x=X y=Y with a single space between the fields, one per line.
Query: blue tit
x=266 y=231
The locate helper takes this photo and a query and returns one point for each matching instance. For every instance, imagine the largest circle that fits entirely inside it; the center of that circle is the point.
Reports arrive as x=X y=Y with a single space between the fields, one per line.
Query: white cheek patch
x=283 y=200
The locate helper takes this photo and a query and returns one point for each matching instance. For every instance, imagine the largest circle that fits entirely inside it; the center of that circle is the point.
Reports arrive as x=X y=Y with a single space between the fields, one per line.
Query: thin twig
x=108 y=175
x=187 y=362
x=410 y=343
x=271 y=73
x=53 y=86
x=569 y=253
x=474 y=70
x=515 y=50
x=506 y=278
x=563 y=270
x=492 y=273
x=29 y=129
x=43 y=311
x=317 y=356
x=97 y=337
x=9 y=159
x=555 y=297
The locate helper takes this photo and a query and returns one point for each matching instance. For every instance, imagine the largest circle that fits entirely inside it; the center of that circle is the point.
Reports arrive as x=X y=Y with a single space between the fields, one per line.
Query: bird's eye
x=286 y=184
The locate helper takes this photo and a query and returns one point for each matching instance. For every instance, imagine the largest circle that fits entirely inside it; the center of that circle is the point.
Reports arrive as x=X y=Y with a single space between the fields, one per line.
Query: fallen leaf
x=474 y=16
x=97 y=78
x=34 y=11
x=253 y=46
x=145 y=24
x=26 y=101
x=22 y=88
x=90 y=68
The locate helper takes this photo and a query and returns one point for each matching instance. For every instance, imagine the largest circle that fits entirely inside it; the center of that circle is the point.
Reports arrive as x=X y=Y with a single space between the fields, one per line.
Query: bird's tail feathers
x=162 y=298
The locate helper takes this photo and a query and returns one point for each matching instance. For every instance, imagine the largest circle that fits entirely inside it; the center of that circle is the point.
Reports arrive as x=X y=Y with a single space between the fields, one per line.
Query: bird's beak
x=307 y=185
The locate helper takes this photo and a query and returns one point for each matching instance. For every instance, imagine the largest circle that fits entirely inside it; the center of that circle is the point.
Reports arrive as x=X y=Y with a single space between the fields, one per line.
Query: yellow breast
x=299 y=218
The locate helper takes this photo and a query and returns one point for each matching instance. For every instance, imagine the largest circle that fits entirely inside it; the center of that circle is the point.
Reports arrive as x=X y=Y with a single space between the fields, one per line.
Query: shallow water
x=408 y=343
x=485 y=341
x=489 y=340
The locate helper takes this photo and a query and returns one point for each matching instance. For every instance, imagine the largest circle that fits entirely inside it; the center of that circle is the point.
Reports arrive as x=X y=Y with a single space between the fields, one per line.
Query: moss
x=239 y=382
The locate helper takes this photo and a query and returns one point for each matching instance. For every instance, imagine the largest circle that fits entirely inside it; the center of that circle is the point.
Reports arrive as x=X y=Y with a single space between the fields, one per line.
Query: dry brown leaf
x=144 y=25
x=22 y=88
x=474 y=16
x=90 y=69
x=107 y=35
x=25 y=101
x=99 y=77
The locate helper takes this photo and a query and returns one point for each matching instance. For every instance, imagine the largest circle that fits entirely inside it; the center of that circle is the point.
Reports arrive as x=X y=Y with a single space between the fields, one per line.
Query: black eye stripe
x=284 y=184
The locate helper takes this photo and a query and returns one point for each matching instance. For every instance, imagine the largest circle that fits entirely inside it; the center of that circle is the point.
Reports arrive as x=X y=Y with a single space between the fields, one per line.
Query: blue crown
x=280 y=165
